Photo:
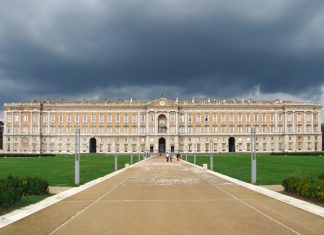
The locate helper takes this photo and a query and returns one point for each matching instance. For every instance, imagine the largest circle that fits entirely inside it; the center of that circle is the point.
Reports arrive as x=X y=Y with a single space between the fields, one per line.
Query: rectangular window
x=172 y=117
x=117 y=118
x=206 y=129
x=142 y=118
x=264 y=129
x=223 y=119
x=109 y=130
x=299 y=117
x=85 y=118
x=256 y=117
x=126 y=118
x=68 y=118
x=25 y=117
x=215 y=117
x=198 y=117
x=93 y=118
x=215 y=129
x=126 y=130
x=272 y=117
x=248 y=118
x=109 y=118
x=223 y=129
x=289 y=117
x=239 y=117
x=280 y=116
x=61 y=118
x=264 y=117
x=231 y=118
x=181 y=118
x=151 y=117
x=44 y=117
x=206 y=118
x=9 y=117
x=101 y=118
x=101 y=130
x=76 y=118
x=190 y=117
x=134 y=118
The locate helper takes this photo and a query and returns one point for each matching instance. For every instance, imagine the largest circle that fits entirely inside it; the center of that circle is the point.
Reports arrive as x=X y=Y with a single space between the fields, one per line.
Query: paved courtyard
x=158 y=197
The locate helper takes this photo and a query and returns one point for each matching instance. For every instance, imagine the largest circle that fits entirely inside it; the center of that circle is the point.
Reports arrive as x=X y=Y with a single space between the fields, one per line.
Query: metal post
x=211 y=156
x=77 y=157
x=195 y=155
x=116 y=162
x=186 y=157
x=253 y=156
x=131 y=159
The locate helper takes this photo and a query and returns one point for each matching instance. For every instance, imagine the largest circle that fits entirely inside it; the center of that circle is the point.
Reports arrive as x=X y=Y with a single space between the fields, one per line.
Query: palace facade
x=161 y=125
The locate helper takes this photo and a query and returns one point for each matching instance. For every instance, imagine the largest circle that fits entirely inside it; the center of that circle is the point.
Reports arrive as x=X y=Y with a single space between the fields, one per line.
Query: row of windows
x=208 y=139
x=172 y=130
x=191 y=148
x=190 y=117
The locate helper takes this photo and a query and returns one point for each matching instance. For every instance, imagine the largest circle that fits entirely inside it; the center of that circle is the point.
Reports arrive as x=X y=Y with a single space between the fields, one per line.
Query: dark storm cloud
x=214 y=48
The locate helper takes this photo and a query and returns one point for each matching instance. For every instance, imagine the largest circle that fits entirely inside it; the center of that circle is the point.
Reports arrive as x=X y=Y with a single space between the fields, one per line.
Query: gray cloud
x=122 y=49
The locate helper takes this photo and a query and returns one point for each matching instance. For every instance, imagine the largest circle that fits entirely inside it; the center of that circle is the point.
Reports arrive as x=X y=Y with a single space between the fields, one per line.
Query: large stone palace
x=161 y=125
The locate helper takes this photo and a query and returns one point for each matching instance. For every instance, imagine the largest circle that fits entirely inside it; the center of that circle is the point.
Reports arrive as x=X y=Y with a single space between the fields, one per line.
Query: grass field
x=59 y=170
x=270 y=169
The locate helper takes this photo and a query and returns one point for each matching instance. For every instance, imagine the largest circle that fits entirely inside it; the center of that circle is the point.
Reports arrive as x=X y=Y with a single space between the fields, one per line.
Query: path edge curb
x=307 y=206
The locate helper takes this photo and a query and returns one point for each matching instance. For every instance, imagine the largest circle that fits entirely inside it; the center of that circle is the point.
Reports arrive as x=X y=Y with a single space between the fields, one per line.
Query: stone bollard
x=126 y=165
x=205 y=166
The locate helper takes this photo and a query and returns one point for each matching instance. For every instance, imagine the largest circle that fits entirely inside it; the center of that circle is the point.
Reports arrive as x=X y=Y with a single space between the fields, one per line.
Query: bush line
x=13 y=188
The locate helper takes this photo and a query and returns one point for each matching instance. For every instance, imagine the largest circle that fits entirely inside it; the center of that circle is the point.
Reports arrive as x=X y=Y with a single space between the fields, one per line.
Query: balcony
x=162 y=129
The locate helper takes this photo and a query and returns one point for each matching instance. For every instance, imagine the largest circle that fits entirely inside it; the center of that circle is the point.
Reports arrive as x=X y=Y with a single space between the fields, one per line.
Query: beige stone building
x=185 y=125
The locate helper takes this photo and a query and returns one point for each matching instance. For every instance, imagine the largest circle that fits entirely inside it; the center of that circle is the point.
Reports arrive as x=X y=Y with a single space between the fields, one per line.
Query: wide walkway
x=156 y=197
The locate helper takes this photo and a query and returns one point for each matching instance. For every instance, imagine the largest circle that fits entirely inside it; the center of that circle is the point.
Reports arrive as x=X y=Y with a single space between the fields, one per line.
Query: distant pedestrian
x=178 y=156
x=170 y=156
x=167 y=156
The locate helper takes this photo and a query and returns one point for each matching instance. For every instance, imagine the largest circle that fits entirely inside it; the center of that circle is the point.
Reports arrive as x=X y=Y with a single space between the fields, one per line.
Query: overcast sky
x=77 y=49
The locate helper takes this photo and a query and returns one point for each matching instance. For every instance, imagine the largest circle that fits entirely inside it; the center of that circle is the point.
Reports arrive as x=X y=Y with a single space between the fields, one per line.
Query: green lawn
x=270 y=169
x=59 y=170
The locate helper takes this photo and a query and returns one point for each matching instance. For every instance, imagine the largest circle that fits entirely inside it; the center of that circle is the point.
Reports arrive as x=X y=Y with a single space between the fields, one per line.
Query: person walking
x=167 y=156
x=178 y=156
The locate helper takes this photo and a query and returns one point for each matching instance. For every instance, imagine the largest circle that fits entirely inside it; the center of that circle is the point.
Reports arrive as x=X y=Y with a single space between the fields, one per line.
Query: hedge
x=13 y=188
x=34 y=185
x=10 y=191
x=298 y=153
x=306 y=187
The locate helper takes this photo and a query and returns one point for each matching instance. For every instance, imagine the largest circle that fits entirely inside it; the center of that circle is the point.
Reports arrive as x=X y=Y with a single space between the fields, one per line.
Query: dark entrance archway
x=161 y=145
x=231 y=144
x=93 y=145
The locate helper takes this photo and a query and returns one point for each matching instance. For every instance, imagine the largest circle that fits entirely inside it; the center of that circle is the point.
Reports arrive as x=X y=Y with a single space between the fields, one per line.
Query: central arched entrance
x=93 y=145
x=231 y=144
x=161 y=145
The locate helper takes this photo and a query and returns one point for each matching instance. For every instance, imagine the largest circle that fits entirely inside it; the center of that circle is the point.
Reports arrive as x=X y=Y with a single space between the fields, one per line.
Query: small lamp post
x=253 y=155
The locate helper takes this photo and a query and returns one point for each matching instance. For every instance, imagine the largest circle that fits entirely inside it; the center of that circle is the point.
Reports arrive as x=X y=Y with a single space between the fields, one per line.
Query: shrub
x=305 y=187
x=10 y=191
x=34 y=185
x=321 y=177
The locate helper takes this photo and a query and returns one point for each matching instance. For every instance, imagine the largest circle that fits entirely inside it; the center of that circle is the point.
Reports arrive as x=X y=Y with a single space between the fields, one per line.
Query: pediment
x=162 y=102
